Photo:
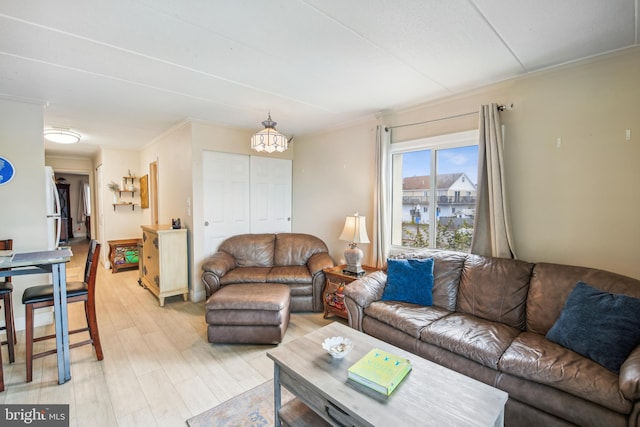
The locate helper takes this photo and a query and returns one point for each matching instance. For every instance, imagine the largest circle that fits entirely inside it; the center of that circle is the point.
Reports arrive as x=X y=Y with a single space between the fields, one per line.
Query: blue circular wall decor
x=7 y=171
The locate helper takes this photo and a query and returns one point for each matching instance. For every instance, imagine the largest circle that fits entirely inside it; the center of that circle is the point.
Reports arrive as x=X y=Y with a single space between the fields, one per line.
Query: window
x=441 y=172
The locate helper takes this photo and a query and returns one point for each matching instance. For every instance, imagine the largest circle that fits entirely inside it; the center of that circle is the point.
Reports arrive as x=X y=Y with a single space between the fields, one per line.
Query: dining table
x=13 y=263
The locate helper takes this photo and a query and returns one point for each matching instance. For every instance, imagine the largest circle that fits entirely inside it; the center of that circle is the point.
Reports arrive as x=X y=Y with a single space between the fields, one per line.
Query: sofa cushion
x=602 y=326
x=533 y=357
x=552 y=283
x=480 y=340
x=409 y=318
x=250 y=296
x=291 y=274
x=409 y=280
x=245 y=275
x=300 y=289
x=495 y=289
x=557 y=407
x=296 y=248
x=250 y=250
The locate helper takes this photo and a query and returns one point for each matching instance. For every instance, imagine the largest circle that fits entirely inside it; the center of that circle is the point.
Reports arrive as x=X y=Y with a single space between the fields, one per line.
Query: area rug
x=251 y=408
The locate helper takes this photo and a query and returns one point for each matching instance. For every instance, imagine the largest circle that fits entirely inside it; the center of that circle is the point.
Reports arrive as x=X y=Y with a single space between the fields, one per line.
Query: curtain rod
x=500 y=108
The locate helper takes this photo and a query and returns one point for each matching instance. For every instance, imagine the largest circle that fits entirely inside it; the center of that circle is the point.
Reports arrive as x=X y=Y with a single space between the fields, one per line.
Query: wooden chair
x=42 y=296
x=6 y=295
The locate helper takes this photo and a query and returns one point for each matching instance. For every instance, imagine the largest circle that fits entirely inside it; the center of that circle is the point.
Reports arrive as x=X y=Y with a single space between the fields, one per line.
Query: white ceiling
x=122 y=72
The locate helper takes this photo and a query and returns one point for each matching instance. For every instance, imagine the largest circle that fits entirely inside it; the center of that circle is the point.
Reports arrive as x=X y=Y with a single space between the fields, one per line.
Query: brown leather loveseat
x=489 y=320
x=293 y=259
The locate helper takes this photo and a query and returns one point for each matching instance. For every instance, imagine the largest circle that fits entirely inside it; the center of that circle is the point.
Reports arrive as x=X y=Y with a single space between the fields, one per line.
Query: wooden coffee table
x=431 y=395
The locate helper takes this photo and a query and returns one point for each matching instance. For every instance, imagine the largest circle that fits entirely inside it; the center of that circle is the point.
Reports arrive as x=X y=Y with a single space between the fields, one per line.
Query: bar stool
x=6 y=295
x=42 y=296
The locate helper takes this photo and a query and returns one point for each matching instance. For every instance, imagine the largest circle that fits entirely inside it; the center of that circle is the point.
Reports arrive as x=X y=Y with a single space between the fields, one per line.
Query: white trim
x=440 y=142
x=451 y=140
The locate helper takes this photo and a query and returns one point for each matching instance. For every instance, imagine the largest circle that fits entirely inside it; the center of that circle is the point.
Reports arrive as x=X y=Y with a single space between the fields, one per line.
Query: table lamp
x=354 y=232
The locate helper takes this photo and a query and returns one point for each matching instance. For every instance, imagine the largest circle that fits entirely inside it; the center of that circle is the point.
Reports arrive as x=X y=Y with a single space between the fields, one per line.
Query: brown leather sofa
x=488 y=321
x=293 y=259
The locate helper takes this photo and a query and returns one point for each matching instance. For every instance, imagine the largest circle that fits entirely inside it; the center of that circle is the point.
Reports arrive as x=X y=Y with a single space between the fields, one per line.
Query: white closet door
x=270 y=195
x=226 y=191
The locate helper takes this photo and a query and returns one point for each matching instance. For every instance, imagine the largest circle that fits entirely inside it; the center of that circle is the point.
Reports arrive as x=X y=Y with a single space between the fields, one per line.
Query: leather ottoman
x=248 y=313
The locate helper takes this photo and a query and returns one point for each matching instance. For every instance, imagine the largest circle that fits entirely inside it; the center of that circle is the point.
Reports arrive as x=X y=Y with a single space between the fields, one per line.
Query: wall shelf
x=129 y=191
x=133 y=205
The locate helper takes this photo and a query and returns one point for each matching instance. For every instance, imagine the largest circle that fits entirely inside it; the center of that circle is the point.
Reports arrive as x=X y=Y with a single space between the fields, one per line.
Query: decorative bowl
x=338 y=347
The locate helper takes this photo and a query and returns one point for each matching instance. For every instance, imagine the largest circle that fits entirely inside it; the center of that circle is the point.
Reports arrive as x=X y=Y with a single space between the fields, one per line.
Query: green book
x=380 y=371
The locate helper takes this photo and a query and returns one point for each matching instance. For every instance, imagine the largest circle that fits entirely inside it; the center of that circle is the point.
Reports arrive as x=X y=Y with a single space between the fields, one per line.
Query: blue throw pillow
x=599 y=325
x=409 y=280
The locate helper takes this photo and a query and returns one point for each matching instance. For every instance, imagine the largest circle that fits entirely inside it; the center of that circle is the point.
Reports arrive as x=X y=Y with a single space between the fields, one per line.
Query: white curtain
x=492 y=235
x=381 y=227
x=84 y=202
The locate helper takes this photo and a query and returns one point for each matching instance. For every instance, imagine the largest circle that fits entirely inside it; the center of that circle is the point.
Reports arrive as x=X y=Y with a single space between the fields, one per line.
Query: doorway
x=78 y=204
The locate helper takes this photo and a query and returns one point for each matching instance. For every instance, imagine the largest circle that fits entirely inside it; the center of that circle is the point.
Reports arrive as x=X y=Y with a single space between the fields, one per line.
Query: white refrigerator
x=54 y=221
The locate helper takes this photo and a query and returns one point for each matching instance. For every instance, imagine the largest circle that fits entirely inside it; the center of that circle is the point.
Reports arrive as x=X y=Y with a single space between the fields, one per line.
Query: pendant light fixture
x=269 y=139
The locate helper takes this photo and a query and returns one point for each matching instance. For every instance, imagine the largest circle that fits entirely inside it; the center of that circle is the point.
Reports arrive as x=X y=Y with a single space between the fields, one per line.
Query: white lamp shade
x=355 y=230
x=269 y=140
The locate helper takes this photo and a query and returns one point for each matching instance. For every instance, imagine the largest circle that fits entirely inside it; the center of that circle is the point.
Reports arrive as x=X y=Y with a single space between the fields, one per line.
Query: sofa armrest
x=318 y=262
x=367 y=289
x=360 y=293
x=630 y=376
x=213 y=268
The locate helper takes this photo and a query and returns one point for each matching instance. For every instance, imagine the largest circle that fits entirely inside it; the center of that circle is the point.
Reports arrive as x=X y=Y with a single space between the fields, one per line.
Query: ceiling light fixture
x=269 y=139
x=61 y=136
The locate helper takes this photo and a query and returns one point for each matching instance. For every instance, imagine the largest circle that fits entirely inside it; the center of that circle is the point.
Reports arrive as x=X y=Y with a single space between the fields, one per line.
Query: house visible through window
x=434 y=191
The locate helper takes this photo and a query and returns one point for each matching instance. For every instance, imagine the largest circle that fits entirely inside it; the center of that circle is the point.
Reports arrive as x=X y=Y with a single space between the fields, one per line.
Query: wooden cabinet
x=333 y=293
x=123 y=254
x=66 y=222
x=163 y=261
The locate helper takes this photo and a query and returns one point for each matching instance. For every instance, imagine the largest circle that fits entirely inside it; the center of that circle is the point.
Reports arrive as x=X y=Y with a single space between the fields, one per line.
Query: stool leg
x=1 y=374
x=29 y=340
x=92 y=322
x=10 y=326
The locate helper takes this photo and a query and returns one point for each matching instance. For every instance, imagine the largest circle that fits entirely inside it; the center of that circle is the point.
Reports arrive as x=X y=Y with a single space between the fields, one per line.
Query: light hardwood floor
x=158 y=368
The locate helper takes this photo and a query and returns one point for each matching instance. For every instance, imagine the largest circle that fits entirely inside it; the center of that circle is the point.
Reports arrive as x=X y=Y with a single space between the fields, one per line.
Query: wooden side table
x=333 y=293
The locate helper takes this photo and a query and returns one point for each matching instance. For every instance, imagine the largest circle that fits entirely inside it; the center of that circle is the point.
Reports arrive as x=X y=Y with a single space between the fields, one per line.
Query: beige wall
x=172 y=152
x=209 y=137
x=22 y=216
x=123 y=222
x=333 y=177
x=576 y=204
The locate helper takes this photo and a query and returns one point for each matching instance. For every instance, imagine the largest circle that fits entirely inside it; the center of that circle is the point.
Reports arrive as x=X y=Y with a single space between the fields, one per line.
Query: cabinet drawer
x=325 y=408
x=296 y=414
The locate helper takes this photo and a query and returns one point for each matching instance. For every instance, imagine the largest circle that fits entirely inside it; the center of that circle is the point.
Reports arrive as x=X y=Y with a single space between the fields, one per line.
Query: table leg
x=2 y=369
x=277 y=396
x=59 y=272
